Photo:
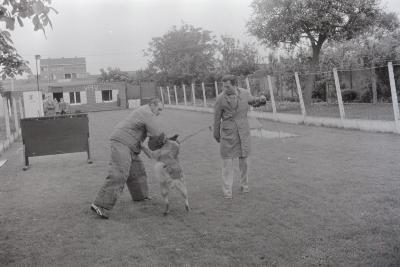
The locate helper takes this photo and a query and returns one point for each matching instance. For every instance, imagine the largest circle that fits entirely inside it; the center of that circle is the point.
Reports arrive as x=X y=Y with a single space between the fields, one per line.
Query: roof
x=63 y=61
x=31 y=85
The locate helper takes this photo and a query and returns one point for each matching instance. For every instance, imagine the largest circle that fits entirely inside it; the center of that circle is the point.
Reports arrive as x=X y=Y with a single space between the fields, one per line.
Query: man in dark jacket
x=232 y=131
x=125 y=164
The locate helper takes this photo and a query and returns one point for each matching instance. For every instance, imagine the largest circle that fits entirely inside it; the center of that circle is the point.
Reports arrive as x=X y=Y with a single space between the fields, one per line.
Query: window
x=75 y=97
x=67 y=75
x=106 y=95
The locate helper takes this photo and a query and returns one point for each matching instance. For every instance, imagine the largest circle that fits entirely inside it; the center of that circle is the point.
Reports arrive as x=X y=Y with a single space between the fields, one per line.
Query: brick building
x=61 y=69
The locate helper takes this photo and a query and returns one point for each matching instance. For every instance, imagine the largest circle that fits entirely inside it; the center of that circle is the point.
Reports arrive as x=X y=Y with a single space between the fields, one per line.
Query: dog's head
x=170 y=149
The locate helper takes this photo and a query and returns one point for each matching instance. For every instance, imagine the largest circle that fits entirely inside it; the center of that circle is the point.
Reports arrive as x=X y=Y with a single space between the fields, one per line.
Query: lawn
x=328 y=197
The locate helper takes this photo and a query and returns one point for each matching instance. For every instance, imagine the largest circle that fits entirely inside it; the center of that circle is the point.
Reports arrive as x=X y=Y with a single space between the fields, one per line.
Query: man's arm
x=156 y=136
x=217 y=119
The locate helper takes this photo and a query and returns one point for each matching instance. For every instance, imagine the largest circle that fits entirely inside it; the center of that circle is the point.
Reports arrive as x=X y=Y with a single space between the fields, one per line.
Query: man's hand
x=263 y=99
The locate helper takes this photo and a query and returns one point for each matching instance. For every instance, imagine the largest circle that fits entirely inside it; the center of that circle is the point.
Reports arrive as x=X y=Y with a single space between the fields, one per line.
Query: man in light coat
x=126 y=167
x=232 y=131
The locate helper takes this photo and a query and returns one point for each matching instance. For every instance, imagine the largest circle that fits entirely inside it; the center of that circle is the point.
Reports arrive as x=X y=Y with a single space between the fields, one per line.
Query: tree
x=375 y=47
x=291 y=21
x=182 y=54
x=236 y=58
x=113 y=75
x=10 y=12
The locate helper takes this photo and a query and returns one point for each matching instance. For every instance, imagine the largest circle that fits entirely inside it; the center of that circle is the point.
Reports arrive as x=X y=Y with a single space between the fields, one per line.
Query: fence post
x=299 y=92
x=169 y=96
x=9 y=108
x=184 y=93
x=394 y=97
x=162 y=94
x=339 y=94
x=193 y=95
x=21 y=110
x=271 y=92
x=204 y=94
x=7 y=118
x=176 y=96
x=16 y=122
x=216 y=89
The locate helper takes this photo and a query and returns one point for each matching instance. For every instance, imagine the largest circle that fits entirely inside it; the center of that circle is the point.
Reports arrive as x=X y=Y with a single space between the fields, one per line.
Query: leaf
x=36 y=22
x=10 y=23
x=21 y=24
x=38 y=7
x=55 y=11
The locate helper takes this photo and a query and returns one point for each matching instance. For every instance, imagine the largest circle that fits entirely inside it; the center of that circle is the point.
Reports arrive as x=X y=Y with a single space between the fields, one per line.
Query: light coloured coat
x=231 y=126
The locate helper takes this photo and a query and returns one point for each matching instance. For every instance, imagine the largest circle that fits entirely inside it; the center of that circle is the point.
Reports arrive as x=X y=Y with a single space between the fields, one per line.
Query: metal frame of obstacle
x=55 y=135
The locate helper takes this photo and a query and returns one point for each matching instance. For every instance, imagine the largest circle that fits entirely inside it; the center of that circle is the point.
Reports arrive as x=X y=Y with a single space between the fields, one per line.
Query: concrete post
x=395 y=102
x=339 y=94
x=300 y=93
x=271 y=92
x=204 y=94
x=184 y=94
x=193 y=95
x=169 y=96
x=176 y=96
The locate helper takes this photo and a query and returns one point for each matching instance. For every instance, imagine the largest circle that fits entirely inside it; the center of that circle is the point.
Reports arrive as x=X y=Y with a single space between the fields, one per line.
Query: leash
x=195 y=133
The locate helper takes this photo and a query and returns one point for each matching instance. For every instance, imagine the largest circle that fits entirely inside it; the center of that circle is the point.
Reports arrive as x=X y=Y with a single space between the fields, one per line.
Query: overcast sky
x=113 y=33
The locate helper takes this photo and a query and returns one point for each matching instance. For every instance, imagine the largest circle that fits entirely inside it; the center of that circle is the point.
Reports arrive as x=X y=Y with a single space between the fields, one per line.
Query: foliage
x=366 y=96
x=235 y=58
x=113 y=75
x=182 y=54
x=292 y=21
x=349 y=95
x=10 y=12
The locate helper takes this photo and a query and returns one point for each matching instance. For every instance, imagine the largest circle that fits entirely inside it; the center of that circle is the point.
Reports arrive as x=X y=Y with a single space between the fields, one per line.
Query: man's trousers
x=228 y=173
x=125 y=168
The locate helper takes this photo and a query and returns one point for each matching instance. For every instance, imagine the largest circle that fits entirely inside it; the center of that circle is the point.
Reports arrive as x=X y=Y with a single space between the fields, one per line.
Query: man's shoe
x=142 y=199
x=99 y=211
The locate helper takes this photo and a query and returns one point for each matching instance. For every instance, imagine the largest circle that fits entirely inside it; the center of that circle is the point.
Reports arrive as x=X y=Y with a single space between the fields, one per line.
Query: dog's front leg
x=164 y=193
x=181 y=186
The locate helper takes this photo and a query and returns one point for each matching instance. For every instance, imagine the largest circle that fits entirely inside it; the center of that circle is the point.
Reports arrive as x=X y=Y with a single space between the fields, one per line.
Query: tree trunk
x=311 y=78
x=373 y=81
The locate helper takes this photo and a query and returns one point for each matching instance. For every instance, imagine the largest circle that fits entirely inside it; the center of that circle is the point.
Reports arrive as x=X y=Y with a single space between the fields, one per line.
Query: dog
x=168 y=170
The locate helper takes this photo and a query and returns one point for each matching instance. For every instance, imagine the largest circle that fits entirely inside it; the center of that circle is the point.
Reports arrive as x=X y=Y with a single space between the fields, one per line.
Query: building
x=63 y=69
x=82 y=95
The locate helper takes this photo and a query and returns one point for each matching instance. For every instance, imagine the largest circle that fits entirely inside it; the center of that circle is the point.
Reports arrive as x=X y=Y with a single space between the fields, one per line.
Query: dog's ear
x=174 y=137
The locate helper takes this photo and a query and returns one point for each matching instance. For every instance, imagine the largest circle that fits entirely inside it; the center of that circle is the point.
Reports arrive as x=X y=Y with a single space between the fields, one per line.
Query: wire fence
x=359 y=93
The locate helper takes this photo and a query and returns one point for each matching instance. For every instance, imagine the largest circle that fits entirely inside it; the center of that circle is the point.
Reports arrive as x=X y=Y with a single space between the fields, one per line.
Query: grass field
x=328 y=197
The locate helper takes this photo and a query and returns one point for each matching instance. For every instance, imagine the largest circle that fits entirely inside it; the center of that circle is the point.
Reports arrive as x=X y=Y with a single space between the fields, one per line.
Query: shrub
x=366 y=96
x=349 y=95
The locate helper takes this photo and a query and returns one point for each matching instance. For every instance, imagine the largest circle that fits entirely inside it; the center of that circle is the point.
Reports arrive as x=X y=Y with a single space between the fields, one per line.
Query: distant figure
x=56 y=106
x=49 y=107
x=63 y=106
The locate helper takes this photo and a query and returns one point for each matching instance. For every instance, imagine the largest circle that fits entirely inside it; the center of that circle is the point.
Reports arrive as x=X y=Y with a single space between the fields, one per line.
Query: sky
x=114 y=33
